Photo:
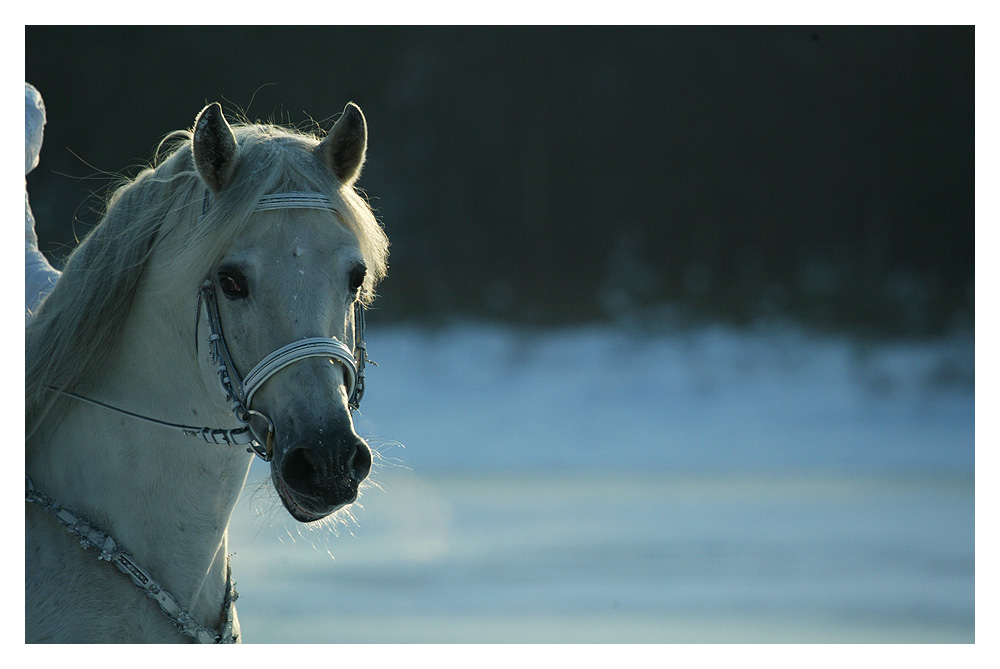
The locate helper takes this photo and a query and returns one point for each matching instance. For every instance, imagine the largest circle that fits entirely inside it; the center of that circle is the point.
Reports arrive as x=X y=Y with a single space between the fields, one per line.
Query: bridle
x=259 y=439
x=256 y=430
x=239 y=392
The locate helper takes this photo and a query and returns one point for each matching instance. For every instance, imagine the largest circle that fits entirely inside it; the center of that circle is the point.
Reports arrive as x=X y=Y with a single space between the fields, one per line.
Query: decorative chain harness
x=109 y=551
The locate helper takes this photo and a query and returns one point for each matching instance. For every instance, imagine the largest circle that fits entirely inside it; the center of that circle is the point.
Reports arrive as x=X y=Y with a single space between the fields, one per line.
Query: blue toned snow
x=590 y=485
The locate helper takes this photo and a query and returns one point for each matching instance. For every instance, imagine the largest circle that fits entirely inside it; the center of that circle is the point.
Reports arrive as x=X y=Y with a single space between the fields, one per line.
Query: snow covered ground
x=595 y=485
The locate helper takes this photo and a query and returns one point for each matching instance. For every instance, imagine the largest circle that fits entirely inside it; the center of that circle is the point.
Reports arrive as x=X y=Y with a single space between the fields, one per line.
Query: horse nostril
x=303 y=468
x=360 y=463
x=297 y=469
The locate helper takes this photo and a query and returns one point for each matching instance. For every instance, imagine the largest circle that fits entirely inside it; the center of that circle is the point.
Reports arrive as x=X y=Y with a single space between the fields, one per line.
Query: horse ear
x=214 y=147
x=343 y=150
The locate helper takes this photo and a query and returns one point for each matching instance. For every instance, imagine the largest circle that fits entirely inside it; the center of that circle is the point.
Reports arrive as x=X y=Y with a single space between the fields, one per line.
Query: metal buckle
x=262 y=446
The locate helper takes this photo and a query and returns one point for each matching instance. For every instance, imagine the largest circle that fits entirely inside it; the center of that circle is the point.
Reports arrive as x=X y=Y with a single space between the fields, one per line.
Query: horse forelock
x=156 y=215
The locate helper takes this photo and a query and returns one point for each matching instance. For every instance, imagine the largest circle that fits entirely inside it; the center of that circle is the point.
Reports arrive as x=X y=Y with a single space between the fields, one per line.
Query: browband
x=289 y=200
x=294 y=200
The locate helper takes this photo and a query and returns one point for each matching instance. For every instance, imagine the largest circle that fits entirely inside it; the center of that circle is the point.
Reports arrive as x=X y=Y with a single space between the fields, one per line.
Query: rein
x=239 y=393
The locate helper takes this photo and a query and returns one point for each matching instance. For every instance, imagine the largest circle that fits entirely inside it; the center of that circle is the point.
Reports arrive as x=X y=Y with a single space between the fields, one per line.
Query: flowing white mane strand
x=76 y=326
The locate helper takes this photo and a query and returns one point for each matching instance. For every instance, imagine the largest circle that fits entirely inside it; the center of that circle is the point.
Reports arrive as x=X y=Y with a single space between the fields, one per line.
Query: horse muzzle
x=315 y=477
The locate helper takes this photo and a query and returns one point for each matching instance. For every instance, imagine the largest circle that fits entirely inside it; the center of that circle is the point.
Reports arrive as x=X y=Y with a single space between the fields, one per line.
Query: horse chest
x=73 y=597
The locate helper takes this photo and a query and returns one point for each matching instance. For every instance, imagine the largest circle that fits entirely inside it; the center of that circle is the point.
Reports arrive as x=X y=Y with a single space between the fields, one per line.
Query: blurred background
x=677 y=338
x=567 y=175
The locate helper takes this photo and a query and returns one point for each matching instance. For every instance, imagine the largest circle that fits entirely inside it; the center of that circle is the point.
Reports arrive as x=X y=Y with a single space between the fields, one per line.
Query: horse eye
x=357 y=277
x=233 y=284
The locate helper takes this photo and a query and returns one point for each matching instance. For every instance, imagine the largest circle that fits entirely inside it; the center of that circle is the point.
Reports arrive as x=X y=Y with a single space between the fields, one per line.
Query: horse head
x=295 y=271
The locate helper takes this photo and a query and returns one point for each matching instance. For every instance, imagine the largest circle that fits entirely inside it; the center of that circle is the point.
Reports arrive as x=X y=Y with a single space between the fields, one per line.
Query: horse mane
x=76 y=326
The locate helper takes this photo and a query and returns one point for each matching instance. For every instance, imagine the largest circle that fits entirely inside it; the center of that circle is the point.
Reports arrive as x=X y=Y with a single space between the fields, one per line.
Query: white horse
x=214 y=312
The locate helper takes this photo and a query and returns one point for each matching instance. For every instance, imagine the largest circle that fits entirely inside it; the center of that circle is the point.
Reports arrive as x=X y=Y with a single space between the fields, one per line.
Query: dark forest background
x=569 y=175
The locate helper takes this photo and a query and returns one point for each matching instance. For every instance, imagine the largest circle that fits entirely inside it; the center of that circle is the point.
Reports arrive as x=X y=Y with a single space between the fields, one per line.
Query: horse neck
x=165 y=497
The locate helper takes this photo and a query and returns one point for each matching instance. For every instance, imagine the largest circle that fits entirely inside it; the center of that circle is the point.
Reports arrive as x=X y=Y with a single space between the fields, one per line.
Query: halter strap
x=320 y=347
